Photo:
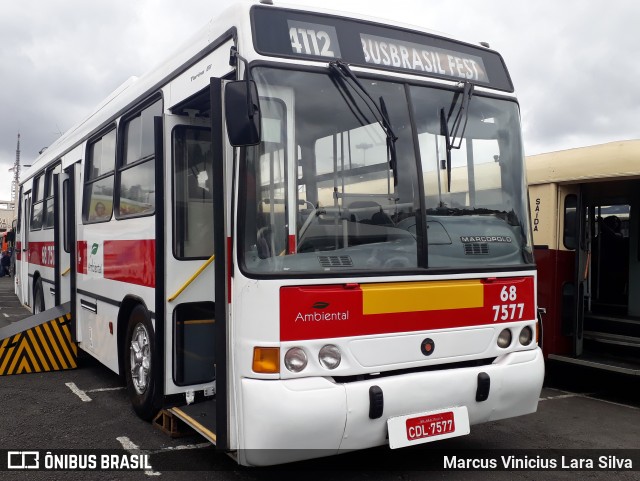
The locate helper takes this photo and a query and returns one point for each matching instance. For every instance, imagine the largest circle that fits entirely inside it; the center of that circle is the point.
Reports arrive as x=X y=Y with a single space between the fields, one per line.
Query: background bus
x=585 y=205
x=323 y=267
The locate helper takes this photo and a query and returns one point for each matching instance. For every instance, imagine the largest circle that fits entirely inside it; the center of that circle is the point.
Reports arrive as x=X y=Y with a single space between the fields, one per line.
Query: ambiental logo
x=95 y=263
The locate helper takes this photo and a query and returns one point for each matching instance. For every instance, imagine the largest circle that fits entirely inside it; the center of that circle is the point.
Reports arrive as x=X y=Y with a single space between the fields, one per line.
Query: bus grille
x=476 y=249
x=335 y=261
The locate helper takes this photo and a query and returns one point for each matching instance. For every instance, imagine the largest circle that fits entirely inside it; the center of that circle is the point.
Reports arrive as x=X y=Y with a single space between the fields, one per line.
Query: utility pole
x=16 y=174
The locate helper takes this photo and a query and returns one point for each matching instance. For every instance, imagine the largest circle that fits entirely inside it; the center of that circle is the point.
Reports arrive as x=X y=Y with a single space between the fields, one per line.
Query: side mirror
x=242 y=112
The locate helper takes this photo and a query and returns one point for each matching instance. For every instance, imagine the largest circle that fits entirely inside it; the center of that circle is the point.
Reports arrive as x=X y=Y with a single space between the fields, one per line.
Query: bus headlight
x=504 y=339
x=526 y=335
x=295 y=360
x=329 y=356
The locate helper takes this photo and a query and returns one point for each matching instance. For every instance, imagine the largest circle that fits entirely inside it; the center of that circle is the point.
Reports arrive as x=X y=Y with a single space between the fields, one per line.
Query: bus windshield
x=323 y=193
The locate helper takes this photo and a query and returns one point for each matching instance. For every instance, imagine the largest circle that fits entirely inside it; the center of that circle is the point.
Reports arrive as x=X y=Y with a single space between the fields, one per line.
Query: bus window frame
x=36 y=190
x=121 y=167
x=174 y=196
x=88 y=180
x=51 y=190
x=65 y=221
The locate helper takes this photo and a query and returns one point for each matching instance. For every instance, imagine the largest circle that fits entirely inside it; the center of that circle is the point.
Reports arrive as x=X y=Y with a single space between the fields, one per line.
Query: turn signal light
x=266 y=360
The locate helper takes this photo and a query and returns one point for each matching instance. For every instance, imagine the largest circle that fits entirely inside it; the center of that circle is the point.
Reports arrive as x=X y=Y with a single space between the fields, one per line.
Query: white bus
x=281 y=234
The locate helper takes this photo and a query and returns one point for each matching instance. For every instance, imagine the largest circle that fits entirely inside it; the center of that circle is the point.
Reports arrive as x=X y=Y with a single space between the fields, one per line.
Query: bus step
x=609 y=338
x=172 y=425
x=619 y=325
x=602 y=362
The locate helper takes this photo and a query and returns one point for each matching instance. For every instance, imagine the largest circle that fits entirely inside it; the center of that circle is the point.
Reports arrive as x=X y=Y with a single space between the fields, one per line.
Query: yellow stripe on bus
x=197 y=321
x=387 y=298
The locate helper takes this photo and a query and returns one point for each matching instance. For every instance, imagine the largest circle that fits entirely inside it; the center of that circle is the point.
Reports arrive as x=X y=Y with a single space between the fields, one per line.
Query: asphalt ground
x=581 y=413
x=11 y=310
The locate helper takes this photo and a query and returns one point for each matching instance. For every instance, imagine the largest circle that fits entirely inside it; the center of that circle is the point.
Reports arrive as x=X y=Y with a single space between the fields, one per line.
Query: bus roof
x=135 y=89
x=613 y=160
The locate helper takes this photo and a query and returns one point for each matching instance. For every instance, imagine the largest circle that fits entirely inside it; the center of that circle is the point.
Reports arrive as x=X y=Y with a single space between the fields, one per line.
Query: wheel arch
x=37 y=276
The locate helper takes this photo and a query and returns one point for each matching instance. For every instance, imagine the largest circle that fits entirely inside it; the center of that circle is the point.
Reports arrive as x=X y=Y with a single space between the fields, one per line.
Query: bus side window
x=98 y=185
x=136 y=179
x=37 y=204
x=570 y=219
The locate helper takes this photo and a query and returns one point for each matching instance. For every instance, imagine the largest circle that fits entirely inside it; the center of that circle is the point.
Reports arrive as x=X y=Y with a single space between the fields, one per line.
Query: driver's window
x=271 y=181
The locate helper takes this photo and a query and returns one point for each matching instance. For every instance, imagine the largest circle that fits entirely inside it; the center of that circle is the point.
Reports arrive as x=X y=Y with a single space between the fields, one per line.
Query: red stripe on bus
x=41 y=254
x=325 y=312
x=18 y=250
x=131 y=261
x=81 y=261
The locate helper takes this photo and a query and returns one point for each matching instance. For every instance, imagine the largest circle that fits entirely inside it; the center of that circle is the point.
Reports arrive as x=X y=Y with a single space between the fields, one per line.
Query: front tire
x=140 y=364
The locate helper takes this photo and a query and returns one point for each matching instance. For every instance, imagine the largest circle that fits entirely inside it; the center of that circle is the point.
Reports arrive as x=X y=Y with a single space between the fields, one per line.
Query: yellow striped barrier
x=39 y=343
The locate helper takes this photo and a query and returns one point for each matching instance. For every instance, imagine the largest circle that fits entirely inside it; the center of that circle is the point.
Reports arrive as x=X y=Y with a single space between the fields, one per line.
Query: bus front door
x=22 y=252
x=575 y=236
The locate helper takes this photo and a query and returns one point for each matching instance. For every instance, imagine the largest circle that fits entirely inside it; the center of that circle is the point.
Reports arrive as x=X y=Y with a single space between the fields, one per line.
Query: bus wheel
x=140 y=362
x=38 y=297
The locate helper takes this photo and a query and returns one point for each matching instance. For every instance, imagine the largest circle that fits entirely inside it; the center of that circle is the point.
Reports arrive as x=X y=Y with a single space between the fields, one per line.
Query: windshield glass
x=321 y=192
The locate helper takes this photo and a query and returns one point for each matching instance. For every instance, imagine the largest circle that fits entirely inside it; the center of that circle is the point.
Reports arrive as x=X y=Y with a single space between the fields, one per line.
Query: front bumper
x=290 y=420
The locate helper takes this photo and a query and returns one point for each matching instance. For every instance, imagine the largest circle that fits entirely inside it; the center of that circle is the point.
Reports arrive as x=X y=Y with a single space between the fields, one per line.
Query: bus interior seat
x=264 y=242
x=369 y=212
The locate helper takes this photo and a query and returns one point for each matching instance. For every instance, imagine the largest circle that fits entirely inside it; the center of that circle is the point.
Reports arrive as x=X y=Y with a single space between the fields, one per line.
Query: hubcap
x=140 y=355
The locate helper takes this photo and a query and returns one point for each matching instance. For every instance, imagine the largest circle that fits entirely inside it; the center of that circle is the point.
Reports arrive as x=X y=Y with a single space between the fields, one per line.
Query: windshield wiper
x=459 y=124
x=380 y=113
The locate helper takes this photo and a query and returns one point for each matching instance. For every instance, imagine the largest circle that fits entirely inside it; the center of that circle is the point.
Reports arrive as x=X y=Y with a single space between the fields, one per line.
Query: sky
x=574 y=63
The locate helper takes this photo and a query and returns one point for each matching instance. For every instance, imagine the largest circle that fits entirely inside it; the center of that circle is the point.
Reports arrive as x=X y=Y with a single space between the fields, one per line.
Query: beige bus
x=584 y=207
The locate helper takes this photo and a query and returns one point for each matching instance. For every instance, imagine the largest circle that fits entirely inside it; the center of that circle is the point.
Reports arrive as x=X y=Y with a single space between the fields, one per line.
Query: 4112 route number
x=311 y=42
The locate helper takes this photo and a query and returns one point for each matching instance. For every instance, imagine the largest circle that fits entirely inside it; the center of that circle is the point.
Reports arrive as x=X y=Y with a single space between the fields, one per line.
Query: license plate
x=428 y=426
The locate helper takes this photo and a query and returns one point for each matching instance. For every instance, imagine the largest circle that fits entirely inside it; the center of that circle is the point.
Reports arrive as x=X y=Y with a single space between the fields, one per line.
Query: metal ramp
x=39 y=343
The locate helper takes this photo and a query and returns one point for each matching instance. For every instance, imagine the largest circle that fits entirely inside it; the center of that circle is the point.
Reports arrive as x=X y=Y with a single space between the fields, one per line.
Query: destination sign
x=423 y=58
x=294 y=34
